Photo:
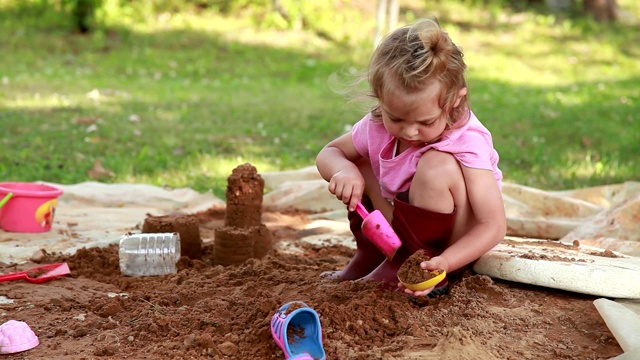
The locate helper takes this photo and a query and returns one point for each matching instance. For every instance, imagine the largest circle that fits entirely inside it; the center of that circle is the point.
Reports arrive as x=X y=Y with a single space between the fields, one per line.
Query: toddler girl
x=421 y=157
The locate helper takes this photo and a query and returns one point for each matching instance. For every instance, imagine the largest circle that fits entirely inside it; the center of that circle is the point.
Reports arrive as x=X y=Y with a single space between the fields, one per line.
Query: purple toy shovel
x=376 y=227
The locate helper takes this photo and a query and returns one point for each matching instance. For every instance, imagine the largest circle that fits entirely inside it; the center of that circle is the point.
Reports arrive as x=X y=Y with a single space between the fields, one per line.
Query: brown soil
x=186 y=227
x=207 y=311
x=34 y=274
x=411 y=273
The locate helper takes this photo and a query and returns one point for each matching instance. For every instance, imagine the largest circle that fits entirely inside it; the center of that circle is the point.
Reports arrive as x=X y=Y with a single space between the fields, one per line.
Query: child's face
x=414 y=119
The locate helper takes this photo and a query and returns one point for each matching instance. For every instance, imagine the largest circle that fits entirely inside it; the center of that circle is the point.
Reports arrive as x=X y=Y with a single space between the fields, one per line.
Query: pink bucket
x=31 y=208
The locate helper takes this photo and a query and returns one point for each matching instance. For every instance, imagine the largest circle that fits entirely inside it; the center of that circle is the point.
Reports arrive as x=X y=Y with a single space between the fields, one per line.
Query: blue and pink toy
x=297 y=331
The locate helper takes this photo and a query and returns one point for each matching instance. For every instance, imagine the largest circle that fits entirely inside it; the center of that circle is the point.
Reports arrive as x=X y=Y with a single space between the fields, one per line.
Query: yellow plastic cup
x=425 y=284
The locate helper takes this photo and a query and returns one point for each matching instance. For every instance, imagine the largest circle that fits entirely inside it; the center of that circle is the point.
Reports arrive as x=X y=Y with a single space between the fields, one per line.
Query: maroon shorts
x=421 y=229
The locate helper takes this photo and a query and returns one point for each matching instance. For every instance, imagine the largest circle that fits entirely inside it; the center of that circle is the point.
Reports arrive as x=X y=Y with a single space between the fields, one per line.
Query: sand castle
x=243 y=235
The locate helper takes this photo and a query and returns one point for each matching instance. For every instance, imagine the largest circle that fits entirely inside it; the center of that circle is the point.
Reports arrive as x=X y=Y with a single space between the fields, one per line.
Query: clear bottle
x=149 y=254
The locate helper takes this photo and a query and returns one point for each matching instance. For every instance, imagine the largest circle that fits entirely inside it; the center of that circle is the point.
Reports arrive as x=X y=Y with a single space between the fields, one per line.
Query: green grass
x=181 y=100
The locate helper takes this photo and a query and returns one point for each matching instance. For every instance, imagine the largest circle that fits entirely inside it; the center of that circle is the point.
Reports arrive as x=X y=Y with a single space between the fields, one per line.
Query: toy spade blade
x=376 y=227
x=39 y=274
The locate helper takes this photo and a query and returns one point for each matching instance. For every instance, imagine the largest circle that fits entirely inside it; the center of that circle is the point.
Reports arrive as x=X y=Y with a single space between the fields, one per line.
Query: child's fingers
x=346 y=195
x=418 y=293
x=357 y=190
x=338 y=190
x=349 y=192
x=356 y=196
x=434 y=263
x=332 y=187
x=424 y=292
x=353 y=203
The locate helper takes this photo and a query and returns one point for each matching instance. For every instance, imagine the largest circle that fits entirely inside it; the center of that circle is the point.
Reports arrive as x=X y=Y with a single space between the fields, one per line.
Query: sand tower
x=243 y=235
x=187 y=226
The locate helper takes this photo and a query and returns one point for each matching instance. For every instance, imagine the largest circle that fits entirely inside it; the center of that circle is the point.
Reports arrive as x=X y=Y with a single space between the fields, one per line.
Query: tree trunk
x=602 y=10
x=384 y=25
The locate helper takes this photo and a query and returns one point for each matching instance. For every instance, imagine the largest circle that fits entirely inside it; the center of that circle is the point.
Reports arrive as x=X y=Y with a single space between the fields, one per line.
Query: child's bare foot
x=386 y=272
x=359 y=266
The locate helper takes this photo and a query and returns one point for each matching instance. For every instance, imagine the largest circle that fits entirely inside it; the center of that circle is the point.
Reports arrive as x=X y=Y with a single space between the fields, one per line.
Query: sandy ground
x=207 y=311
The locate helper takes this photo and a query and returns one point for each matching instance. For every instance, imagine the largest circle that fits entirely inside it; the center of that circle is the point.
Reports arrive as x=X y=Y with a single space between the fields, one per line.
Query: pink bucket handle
x=6 y=198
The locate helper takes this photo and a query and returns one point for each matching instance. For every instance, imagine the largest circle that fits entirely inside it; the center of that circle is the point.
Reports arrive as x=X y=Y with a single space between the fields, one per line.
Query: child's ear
x=462 y=93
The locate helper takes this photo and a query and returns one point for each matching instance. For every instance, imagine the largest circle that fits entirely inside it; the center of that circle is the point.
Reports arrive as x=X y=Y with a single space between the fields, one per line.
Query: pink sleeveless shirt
x=471 y=145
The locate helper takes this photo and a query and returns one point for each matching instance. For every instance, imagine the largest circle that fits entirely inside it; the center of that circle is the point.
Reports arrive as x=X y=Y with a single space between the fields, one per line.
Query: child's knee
x=437 y=177
x=437 y=169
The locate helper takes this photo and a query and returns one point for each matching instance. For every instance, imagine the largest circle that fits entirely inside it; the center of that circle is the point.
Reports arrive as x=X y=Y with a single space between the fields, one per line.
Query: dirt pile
x=207 y=310
x=211 y=311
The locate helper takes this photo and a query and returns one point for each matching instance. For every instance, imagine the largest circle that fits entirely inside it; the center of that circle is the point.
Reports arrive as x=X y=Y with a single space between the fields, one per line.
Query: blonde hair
x=414 y=57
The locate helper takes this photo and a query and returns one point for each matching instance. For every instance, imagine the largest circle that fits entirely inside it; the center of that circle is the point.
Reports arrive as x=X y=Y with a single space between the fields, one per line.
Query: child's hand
x=435 y=263
x=348 y=186
x=415 y=293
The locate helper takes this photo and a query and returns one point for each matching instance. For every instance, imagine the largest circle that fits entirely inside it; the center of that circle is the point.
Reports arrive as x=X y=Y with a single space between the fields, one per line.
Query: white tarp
x=96 y=214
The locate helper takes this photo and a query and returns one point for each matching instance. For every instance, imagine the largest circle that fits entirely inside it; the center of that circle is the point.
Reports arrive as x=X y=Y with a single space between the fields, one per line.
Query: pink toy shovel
x=378 y=230
x=39 y=274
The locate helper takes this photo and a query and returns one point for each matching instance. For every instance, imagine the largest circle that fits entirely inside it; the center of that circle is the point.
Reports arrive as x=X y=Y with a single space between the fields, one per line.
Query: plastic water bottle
x=149 y=254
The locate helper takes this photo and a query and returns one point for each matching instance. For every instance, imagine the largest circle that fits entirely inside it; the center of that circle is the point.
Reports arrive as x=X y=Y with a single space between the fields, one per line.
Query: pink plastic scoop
x=376 y=227
x=39 y=274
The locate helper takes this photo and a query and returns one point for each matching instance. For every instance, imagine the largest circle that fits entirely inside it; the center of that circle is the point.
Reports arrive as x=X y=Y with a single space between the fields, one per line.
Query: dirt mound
x=207 y=310
x=213 y=311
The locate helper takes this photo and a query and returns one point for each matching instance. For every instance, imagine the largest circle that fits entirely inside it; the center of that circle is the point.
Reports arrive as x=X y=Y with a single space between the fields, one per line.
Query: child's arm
x=490 y=224
x=336 y=162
